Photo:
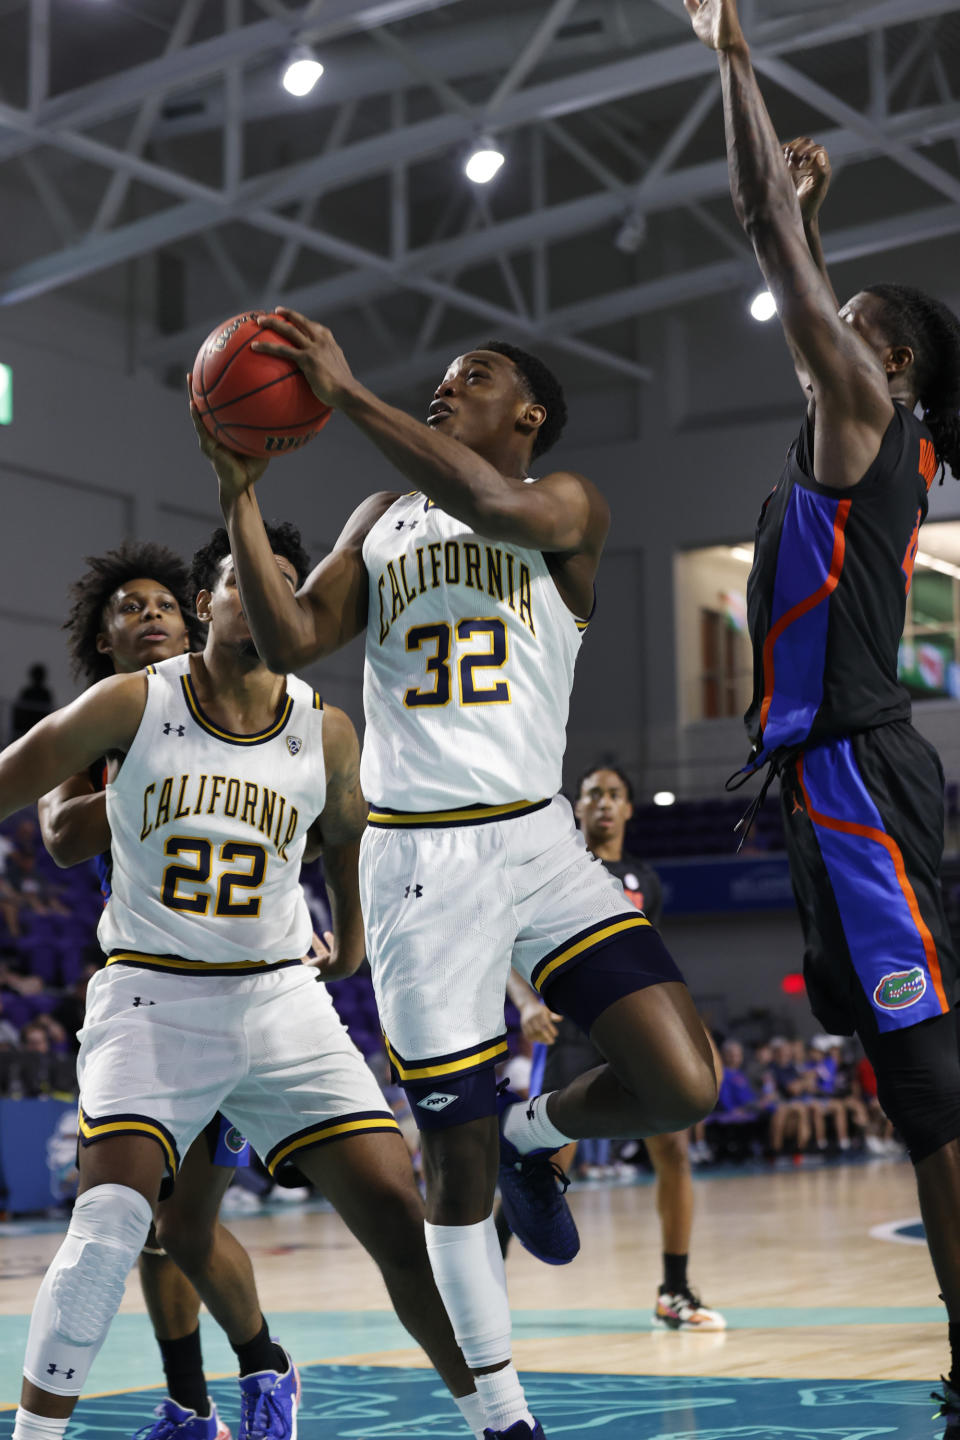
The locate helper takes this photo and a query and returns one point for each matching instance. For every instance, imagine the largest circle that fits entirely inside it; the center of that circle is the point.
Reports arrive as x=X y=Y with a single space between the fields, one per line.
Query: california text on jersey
x=251 y=804
x=488 y=569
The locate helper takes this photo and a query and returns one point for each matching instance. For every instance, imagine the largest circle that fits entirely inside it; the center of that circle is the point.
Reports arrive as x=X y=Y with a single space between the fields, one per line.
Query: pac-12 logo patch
x=900 y=989
x=294 y=744
x=436 y=1101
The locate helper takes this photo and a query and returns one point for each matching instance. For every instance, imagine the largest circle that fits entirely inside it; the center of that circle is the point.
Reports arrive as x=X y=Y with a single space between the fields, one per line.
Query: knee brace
x=82 y=1290
x=918 y=1083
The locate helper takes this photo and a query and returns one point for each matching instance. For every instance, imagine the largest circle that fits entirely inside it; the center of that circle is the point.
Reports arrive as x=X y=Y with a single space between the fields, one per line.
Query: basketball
x=253 y=403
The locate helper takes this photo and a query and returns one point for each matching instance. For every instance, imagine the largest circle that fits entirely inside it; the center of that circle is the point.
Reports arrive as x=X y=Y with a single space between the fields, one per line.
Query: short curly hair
x=92 y=593
x=543 y=388
x=285 y=540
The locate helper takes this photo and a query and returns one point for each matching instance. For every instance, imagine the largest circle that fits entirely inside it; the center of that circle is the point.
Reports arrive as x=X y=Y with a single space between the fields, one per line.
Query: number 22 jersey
x=469 y=666
x=208 y=830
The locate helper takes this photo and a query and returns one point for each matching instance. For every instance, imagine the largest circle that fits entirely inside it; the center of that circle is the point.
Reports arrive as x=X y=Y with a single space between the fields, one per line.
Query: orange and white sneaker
x=685 y=1311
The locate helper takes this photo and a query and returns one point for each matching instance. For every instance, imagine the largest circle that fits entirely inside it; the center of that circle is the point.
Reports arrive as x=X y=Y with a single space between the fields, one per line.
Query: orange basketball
x=256 y=404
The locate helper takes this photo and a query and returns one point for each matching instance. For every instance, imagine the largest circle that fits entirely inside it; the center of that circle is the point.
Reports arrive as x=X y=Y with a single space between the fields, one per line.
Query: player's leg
x=120 y=1179
x=440 y=964
x=324 y=1104
x=135 y=1122
x=200 y=1257
x=677 y=1306
x=869 y=822
x=369 y=1180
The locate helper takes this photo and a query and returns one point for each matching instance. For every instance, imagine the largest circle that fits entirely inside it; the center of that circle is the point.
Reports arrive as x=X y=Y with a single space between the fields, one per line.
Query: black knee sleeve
x=918 y=1082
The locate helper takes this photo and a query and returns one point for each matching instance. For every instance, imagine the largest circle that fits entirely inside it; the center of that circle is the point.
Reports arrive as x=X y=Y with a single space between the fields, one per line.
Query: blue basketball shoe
x=533 y=1191
x=949 y=1410
x=520 y=1431
x=269 y=1404
x=175 y=1423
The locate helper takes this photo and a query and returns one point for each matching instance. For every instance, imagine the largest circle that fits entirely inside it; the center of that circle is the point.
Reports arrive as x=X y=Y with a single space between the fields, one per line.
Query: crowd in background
x=783 y=1098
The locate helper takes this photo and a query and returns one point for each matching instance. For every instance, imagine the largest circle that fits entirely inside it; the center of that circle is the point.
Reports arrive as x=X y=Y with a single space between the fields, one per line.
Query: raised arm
x=849 y=384
x=289 y=630
x=105 y=718
x=562 y=514
x=341 y=824
x=73 y=821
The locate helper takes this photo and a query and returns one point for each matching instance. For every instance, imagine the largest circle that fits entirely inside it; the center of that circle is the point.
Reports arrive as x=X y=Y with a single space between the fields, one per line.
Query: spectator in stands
x=34 y=701
x=35 y=1039
x=787 y=1089
x=9 y=1034
x=72 y=1006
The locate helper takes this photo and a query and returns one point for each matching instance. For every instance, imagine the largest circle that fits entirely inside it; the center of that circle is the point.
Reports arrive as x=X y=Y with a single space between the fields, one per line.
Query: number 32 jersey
x=469 y=666
x=209 y=829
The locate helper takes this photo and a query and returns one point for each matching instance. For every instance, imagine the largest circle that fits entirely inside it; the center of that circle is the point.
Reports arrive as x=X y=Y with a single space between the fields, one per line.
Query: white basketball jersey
x=209 y=829
x=469 y=666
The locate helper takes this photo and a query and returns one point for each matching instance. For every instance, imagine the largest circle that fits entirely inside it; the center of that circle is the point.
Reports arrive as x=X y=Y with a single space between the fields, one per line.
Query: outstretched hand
x=235 y=472
x=324 y=957
x=311 y=347
x=808 y=166
x=716 y=23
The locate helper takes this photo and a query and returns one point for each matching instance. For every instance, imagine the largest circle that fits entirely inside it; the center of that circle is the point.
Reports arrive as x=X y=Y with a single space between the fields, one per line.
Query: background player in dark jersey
x=603 y=805
x=132 y=608
x=836 y=544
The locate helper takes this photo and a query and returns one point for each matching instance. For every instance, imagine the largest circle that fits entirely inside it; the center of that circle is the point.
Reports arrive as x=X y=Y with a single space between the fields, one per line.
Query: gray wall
x=97 y=453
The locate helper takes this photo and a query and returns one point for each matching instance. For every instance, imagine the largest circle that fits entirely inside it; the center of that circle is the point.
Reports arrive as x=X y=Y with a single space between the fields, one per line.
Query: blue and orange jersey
x=827 y=595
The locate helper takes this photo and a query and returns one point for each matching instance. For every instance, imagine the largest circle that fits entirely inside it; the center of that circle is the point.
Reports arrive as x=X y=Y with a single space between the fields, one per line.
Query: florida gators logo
x=234 y=1141
x=900 y=989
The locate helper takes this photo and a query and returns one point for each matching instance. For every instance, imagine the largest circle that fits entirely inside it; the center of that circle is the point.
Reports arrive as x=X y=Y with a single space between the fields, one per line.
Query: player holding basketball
x=131 y=609
x=474 y=589
x=603 y=805
x=225 y=768
x=836 y=545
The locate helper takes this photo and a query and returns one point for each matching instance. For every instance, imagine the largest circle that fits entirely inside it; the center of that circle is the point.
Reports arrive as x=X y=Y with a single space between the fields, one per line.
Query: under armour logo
x=168 y=729
x=67 y=1374
x=408 y=524
x=415 y=890
x=139 y=1000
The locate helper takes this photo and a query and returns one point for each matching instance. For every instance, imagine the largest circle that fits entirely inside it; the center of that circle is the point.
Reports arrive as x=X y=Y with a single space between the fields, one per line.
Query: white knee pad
x=82 y=1290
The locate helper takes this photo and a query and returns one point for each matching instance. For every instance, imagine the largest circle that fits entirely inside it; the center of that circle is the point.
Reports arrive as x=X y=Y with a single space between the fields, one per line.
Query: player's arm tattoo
x=73 y=821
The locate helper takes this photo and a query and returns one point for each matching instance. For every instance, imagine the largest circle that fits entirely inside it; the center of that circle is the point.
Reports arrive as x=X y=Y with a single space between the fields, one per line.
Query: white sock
x=37 y=1427
x=503 y=1400
x=470 y=1275
x=471 y=1408
x=529 y=1127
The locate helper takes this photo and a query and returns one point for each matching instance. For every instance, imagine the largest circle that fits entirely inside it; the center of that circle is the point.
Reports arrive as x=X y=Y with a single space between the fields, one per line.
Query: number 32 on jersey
x=488 y=651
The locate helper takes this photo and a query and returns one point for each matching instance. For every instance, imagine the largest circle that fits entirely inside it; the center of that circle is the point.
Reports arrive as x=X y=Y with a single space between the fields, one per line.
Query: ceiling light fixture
x=763 y=306
x=664 y=797
x=484 y=160
x=302 y=72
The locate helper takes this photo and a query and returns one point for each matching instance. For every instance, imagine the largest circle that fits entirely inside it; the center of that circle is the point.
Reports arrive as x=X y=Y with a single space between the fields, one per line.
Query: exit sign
x=6 y=395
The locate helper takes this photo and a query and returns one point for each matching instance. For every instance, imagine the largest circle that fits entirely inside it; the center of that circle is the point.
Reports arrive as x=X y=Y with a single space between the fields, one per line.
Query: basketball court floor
x=835 y=1329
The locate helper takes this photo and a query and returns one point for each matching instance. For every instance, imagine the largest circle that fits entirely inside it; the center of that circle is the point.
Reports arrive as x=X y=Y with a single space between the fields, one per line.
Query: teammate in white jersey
x=132 y=607
x=204 y=1003
x=473 y=591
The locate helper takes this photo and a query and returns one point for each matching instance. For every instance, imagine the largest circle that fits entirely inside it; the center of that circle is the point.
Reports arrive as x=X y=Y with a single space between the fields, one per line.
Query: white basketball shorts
x=161 y=1053
x=450 y=905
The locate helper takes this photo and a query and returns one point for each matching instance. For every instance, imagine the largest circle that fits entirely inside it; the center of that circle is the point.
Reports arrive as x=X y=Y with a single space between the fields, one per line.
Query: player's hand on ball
x=716 y=23
x=236 y=473
x=539 y=1024
x=314 y=349
x=808 y=166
